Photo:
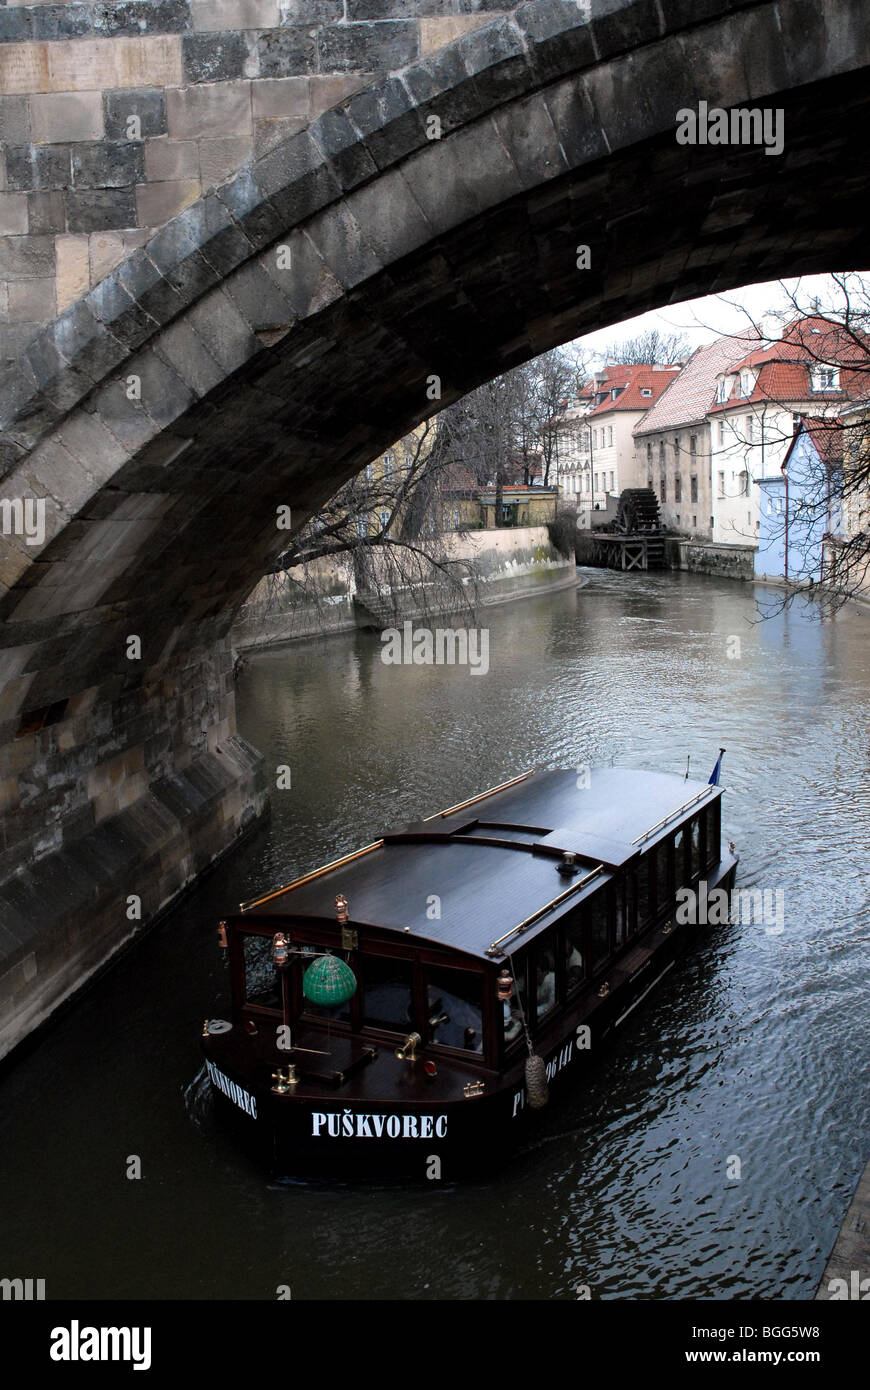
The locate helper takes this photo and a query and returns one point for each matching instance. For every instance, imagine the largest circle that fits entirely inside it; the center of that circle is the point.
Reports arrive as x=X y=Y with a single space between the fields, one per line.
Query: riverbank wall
x=717 y=558
x=509 y=563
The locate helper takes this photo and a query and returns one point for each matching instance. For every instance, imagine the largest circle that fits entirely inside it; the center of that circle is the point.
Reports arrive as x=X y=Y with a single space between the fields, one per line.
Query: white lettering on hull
x=350 y=1124
x=243 y=1099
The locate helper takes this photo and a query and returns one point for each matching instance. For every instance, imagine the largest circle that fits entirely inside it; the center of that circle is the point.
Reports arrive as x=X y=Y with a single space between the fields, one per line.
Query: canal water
x=712 y=1151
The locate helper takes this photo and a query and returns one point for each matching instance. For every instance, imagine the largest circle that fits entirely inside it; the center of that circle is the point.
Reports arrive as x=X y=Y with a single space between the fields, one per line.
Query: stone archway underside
x=263 y=387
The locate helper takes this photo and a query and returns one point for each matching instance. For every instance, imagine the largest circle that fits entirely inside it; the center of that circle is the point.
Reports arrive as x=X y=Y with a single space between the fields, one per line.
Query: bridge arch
x=281 y=331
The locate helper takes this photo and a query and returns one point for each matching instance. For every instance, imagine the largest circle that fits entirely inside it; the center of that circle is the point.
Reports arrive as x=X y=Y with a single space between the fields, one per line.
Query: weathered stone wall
x=512 y=563
x=116 y=116
x=726 y=561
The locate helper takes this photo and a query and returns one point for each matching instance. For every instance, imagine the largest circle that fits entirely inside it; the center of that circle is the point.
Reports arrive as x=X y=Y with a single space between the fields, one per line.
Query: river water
x=750 y=1059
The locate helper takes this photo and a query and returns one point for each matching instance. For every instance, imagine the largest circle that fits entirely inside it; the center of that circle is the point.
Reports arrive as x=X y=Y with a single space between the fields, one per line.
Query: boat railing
x=315 y=873
x=481 y=796
x=705 y=791
x=493 y=948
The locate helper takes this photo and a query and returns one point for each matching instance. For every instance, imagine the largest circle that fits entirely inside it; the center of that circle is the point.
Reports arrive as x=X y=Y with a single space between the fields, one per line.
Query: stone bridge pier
x=247 y=244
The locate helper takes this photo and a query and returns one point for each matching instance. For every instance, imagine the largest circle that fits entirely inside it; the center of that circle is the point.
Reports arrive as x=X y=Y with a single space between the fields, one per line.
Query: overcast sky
x=701 y=320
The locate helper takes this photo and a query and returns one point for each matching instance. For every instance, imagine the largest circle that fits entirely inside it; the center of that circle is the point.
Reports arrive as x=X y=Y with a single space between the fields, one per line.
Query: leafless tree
x=652 y=346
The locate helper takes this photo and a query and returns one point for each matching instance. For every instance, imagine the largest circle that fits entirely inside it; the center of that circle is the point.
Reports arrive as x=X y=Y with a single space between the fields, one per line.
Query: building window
x=409 y=461
x=750 y=428
x=612 y=481
x=693 y=444
x=676 y=446
x=721 y=431
x=388 y=465
x=362 y=526
x=596 y=483
x=661 y=453
x=744 y=484
x=678 y=488
x=746 y=383
x=595 y=439
x=694 y=521
x=721 y=484
x=610 y=435
x=649 y=456
x=663 y=488
x=649 y=483
x=693 y=488
x=370 y=472
x=645 y=391
x=826 y=379
x=385 y=522
x=722 y=390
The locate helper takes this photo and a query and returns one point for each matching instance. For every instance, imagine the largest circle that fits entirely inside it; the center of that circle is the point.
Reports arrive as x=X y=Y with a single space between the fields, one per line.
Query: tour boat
x=406 y=1009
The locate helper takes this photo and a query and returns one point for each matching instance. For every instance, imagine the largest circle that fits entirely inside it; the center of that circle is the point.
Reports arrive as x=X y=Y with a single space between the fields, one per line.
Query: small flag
x=714 y=775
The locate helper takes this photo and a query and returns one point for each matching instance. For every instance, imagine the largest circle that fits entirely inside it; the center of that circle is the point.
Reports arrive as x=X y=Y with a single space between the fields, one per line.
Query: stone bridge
x=279 y=233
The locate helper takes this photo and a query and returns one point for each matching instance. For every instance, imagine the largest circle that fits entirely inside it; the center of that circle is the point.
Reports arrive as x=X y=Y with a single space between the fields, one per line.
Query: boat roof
x=493 y=861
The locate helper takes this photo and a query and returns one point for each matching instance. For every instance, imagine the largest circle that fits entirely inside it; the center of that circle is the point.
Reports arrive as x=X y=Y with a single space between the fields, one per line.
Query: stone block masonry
x=114 y=118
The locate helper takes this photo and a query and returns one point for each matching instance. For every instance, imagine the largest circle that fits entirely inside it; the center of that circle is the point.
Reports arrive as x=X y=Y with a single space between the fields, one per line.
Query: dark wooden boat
x=487 y=952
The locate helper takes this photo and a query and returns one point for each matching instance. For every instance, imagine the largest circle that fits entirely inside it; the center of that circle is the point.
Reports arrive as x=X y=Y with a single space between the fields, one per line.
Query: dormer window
x=645 y=391
x=826 y=379
x=746 y=383
x=722 y=390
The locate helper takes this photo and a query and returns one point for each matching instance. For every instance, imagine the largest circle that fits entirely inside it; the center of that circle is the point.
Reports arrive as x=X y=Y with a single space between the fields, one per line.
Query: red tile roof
x=689 y=396
x=783 y=368
x=632 y=380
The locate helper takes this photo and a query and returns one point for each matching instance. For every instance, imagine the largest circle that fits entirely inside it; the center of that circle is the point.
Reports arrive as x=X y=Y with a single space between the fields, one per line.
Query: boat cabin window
x=515 y=1009
x=455 y=1008
x=545 y=979
x=597 y=930
x=387 y=992
x=714 y=833
x=645 y=891
x=697 y=843
x=663 y=876
x=681 y=873
x=261 y=978
x=575 y=968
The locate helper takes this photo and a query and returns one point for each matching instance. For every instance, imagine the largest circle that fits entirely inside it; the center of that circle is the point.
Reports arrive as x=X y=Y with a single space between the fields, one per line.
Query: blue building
x=801 y=505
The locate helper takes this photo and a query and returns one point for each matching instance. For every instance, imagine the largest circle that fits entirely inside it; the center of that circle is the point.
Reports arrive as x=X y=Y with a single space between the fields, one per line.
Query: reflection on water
x=754 y=1048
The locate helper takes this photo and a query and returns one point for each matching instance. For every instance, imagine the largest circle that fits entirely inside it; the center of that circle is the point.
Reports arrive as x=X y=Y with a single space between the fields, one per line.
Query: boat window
x=645 y=891
x=545 y=979
x=261 y=977
x=696 y=829
x=387 y=993
x=597 y=931
x=631 y=904
x=619 y=905
x=714 y=834
x=575 y=969
x=680 y=842
x=455 y=1002
x=664 y=883
x=515 y=1009
x=340 y=1013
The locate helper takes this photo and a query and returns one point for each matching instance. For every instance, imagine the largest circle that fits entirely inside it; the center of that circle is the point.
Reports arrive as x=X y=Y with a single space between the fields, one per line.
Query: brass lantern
x=505 y=985
x=280 y=950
